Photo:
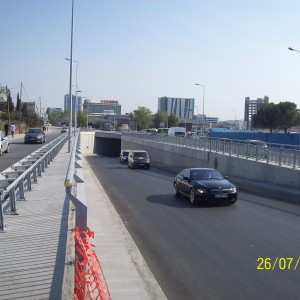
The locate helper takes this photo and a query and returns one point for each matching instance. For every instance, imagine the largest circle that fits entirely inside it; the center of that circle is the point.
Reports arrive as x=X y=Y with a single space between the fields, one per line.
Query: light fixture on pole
x=203 y=105
x=70 y=83
x=292 y=49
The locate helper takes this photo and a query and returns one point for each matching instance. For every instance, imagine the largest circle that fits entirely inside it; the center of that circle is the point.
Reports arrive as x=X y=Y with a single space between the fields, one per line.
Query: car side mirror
x=226 y=177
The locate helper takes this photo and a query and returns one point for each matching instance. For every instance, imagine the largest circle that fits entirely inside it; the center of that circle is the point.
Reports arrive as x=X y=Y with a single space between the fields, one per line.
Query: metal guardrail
x=271 y=155
x=19 y=177
x=74 y=184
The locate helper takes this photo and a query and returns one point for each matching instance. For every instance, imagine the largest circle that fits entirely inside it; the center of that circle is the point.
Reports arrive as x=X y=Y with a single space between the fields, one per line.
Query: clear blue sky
x=136 y=51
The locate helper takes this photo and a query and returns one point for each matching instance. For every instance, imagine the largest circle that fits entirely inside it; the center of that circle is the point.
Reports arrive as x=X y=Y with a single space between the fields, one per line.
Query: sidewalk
x=33 y=260
x=33 y=247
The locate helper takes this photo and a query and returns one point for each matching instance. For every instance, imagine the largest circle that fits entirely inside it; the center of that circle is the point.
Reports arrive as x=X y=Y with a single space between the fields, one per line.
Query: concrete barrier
x=183 y=157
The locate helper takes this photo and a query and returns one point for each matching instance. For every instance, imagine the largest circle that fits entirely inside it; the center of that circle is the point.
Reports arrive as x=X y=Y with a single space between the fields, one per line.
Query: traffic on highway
x=18 y=150
x=248 y=250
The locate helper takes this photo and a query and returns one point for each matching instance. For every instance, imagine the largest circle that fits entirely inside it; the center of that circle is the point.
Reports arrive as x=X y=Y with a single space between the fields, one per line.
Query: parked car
x=35 y=135
x=4 y=143
x=204 y=185
x=124 y=156
x=138 y=159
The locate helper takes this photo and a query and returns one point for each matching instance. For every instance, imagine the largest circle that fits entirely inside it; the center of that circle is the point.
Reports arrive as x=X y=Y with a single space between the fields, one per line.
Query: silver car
x=4 y=143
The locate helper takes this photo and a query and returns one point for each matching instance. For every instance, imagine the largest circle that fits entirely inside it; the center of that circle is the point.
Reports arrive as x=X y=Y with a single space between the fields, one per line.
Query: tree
x=9 y=104
x=289 y=116
x=81 y=119
x=30 y=117
x=280 y=116
x=18 y=106
x=266 y=117
x=158 y=118
x=172 y=120
x=142 y=116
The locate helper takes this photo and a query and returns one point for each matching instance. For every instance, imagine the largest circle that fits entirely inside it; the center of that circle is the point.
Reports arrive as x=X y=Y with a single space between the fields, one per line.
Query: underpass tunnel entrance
x=107 y=146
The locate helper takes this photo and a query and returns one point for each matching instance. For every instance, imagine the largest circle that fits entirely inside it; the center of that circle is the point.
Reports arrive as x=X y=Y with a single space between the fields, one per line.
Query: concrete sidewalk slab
x=33 y=247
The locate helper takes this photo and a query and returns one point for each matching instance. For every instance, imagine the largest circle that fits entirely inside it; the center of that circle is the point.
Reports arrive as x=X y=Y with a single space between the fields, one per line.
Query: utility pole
x=19 y=112
x=8 y=113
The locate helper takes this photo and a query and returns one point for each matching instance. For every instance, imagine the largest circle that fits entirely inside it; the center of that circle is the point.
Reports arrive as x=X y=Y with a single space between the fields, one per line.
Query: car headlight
x=233 y=189
x=202 y=190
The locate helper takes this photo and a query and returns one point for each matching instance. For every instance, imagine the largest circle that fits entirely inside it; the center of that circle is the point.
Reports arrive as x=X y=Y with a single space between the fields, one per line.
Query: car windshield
x=34 y=130
x=125 y=153
x=140 y=154
x=205 y=174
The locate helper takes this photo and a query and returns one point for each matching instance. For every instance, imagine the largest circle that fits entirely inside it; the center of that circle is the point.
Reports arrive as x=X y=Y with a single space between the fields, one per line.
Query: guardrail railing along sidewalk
x=19 y=177
x=74 y=184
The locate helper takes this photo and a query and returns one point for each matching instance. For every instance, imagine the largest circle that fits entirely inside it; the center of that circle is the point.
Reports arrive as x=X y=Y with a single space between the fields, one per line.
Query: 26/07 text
x=280 y=263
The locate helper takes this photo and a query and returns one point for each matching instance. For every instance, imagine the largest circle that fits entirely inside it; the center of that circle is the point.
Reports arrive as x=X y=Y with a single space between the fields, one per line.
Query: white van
x=138 y=159
x=177 y=131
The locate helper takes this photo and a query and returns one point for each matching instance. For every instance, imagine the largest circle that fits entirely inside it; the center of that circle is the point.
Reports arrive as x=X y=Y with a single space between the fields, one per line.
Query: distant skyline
x=136 y=51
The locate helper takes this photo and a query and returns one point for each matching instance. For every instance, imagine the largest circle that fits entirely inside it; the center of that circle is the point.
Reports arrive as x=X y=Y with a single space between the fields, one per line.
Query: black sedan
x=204 y=185
x=35 y=135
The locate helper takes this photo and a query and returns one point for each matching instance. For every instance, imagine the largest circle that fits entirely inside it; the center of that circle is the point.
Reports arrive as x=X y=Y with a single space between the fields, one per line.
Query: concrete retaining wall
x=87 y=142
x=182 y=157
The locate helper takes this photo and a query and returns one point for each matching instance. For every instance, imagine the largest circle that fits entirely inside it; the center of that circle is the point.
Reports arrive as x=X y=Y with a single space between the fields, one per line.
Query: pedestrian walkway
x=33 y=247
x=38 y=244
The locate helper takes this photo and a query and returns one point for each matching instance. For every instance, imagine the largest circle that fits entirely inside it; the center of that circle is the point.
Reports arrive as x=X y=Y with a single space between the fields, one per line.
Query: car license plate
x=221 y=196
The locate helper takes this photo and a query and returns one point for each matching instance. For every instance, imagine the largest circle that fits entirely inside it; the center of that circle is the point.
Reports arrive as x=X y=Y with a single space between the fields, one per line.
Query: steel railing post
x=2 y=224
x=12 y=198
x=21 y=189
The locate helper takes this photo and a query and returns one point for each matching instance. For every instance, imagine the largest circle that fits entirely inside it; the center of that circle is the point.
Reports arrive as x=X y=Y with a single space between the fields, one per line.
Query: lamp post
x=203 y=105
x=196 y=121
x=76 y=97
x=234 y=118
x=70 y=83
x=292 y=49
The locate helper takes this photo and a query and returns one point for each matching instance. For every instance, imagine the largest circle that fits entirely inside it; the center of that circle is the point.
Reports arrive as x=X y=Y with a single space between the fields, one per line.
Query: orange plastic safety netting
x=90 y=283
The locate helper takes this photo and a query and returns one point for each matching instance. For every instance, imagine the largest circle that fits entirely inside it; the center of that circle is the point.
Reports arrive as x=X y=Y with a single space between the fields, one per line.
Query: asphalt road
x=206 y=252
x=18 y=150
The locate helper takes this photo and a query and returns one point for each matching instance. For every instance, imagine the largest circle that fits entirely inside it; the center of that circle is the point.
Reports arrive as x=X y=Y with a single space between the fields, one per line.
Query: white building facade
x=183 y=108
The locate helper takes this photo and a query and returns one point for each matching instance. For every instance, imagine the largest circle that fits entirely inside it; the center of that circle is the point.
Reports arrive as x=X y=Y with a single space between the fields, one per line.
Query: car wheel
x=192 y=196
x=1 y=152
x=175 y=189
x=7 y=149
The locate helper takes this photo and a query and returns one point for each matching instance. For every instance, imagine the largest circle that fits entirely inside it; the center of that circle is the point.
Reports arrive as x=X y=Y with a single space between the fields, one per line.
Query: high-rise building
x=79 y=103
x=252 y=107
x=183 y=108
x=51 y=110
x=102 y=107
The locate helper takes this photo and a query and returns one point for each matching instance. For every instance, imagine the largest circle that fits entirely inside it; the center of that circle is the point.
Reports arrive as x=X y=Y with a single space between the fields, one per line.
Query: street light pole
x=203 y=106
x=76 y=97
x=196 y=121
x=234 y=118
x=292 y=49
x=70 y=83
